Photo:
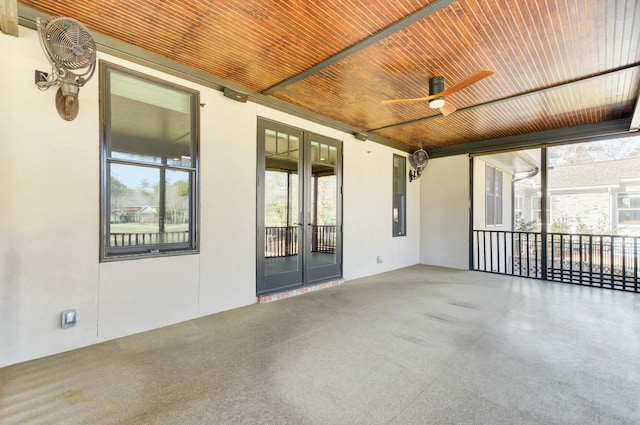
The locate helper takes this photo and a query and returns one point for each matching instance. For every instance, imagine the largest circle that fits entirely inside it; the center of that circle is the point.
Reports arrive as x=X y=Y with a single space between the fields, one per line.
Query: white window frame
x=494 y=193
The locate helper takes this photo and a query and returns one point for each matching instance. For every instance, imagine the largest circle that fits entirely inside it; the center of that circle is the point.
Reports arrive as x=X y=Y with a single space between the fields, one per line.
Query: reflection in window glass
x=149 y=154
x=135 y=204
x=399 y=195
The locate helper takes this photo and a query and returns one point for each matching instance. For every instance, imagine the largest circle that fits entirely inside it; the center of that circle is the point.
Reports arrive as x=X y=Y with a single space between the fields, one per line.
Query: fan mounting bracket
x=41 y=76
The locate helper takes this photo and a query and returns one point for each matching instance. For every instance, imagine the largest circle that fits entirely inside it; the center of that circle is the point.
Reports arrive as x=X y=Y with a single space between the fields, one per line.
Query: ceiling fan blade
x=447 y=109
x=417 y=99
x=466 y=82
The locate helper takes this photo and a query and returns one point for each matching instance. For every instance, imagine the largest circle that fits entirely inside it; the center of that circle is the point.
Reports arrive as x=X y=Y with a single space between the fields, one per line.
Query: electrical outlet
x=69 y=318
x=379 y=259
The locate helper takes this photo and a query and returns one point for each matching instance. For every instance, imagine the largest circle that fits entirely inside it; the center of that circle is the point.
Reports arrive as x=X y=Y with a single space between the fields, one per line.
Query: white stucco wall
x=49 y=217
x=444 y=204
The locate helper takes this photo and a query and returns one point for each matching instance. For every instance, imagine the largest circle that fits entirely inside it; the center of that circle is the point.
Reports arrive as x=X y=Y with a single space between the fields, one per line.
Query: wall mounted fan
x=437 y=91
x=71 y=51
x=418 y=161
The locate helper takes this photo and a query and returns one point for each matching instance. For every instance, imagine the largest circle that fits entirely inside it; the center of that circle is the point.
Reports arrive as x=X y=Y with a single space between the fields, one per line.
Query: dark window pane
x=399 y=195
x=149 y=122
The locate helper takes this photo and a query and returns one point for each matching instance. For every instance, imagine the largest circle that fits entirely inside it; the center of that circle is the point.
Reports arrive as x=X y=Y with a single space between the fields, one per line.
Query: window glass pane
x=324 y=153
x=135 y=205
x=399 y=195
x=270 y=145
x=294 y=146
x=489 y=174
x=283 y=144
x=498 y=196
x=177 y=206
x=148 y=121
x=333 y=155
x=315 y=151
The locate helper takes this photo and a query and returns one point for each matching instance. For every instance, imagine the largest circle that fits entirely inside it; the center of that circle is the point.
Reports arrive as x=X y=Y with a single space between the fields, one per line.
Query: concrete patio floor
x=421 y=345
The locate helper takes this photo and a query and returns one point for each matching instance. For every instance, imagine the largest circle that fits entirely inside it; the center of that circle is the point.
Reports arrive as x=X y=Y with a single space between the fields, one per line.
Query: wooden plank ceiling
x=557 y=63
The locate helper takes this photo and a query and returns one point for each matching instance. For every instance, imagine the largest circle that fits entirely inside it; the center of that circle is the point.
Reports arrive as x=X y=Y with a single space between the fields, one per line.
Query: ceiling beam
x=380 y=35
x=580 y=133
x=517 y=96
x=9 y=17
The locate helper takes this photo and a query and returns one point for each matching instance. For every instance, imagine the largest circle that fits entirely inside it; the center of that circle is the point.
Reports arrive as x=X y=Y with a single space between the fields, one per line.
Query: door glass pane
x=281 y=209
x=324 y=207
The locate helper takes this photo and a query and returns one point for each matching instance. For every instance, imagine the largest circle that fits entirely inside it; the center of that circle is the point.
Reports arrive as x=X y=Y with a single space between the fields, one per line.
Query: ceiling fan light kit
x=436 y=103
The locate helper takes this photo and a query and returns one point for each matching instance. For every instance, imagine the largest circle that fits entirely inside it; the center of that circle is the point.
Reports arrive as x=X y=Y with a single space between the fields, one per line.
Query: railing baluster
x=484 y=249
x=564 y=263
x=612 y=265
x=591 y=259
x=624 y=263
x=636 y=241
x=535 y=257
x=506 y=256
x=601 y=261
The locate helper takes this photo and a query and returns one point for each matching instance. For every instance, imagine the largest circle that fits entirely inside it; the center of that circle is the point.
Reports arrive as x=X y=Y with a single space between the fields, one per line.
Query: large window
x=149 y=166
x=399 y=195
x=493 y=188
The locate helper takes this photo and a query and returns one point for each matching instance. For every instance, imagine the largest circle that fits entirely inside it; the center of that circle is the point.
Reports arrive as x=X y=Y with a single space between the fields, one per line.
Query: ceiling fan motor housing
x=436 y=85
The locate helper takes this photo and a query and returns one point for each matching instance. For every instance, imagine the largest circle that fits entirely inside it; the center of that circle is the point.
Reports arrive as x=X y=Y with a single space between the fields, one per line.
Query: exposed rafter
x=391 y=29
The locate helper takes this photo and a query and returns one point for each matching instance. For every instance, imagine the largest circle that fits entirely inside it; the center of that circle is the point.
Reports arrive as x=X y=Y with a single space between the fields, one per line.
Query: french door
x=299 y=219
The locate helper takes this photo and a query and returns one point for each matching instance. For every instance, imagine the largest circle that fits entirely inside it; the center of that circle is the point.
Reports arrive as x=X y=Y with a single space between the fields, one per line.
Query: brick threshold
x=299 y=291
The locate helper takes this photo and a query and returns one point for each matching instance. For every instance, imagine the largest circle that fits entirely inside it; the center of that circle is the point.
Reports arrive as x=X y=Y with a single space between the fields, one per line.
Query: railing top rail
x=593 y=235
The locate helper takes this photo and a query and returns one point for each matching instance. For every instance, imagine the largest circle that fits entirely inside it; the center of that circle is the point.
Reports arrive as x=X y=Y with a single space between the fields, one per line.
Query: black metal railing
x=280 y=241
x=607 y=261
x=147 y=238
x=283 y=241
x=324 y=239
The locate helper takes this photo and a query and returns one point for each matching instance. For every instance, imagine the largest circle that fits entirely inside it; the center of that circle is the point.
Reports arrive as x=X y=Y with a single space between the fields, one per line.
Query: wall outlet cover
x=69 y=318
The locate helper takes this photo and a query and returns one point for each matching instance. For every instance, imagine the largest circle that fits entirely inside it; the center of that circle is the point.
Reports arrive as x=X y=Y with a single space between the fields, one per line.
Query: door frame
x=305 y=274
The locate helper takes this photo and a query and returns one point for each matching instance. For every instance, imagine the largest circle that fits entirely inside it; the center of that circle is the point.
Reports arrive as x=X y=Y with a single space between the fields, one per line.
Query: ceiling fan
x=437 y=92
